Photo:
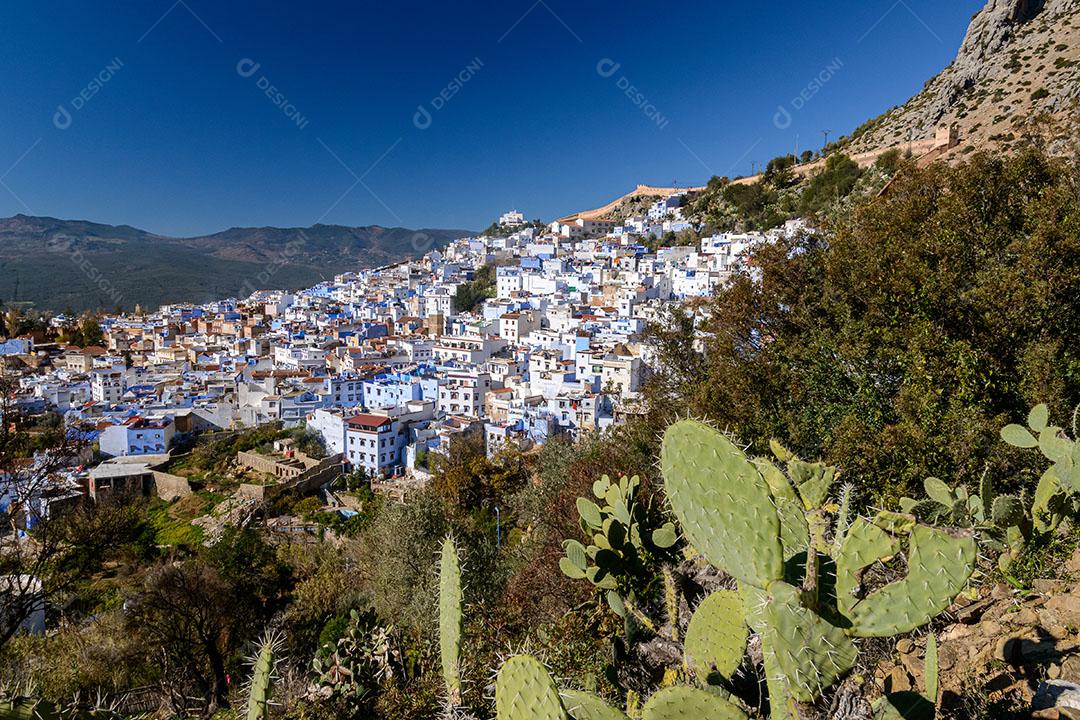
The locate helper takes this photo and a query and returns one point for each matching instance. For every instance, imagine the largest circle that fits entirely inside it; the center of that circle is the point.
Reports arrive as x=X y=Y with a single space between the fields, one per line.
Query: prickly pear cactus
x=759 y=524
x=450 y=620
x=687 y=703
x=618 y=536
x=525 y=691
x=27 y=708
x=722 y=502
x=716 y=636
x=938 y=564
x=945 y=505
x=586 y=706
x=794 y=528
x=1058 y=492
x=804 y=652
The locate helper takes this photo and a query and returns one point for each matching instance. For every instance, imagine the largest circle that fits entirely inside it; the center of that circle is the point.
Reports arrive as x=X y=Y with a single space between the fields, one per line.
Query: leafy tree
x=472 y=294
x=897 y=344
x=307 y=507
x=357 y=481
x=183 y=613
x=45 y=551
x=466 y=478
x=196 y=614
x=830 y=185
x=778 y=172
x=890 y=161
x=309 y=442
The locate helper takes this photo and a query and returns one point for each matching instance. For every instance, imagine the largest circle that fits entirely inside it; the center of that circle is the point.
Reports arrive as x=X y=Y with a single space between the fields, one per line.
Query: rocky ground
x=1008 y=653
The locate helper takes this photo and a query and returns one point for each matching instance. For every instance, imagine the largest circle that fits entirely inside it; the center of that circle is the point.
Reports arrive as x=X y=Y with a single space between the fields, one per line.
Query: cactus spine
x=262 y=672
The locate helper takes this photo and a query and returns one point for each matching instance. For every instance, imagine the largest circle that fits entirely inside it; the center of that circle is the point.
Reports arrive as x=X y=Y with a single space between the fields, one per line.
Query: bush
x=831 y=185
x=307 y=507
x=898 y=344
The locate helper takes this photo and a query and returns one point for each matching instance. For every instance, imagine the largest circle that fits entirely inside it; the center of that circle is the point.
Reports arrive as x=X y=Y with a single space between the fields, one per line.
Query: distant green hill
x=58 y=264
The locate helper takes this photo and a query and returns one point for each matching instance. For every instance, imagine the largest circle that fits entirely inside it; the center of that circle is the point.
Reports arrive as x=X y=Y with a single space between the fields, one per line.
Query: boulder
x=1056 y=694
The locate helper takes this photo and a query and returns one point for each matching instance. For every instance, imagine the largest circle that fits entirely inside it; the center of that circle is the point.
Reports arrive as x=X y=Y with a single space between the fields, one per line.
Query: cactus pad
x=930 y=673
x=450 y=619
x=1007 y=511
x=801 y=649
x=939 y=566
x=525 y=691
x=586 y=706
x=938 y=491
x=687 y=703
x=794 y=530
x=24 y=708
x=722 y=502
x=716 y=636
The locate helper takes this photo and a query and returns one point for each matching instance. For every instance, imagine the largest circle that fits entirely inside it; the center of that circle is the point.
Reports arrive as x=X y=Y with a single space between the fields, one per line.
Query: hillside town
x=799 y=444
x=382 y=365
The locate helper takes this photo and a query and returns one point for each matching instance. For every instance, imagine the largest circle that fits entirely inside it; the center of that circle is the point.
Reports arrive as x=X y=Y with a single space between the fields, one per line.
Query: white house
x=375 y=443
x=512 y=218
x=106 y=386
x=464 y=394
x=138 y=436
x=330 y=426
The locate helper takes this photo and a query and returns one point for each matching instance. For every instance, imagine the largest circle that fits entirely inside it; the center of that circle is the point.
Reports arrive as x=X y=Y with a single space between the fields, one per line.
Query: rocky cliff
x=1019 y=65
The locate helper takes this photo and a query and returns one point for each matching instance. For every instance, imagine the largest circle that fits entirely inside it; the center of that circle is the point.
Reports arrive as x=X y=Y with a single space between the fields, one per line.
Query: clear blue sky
x=175 y=140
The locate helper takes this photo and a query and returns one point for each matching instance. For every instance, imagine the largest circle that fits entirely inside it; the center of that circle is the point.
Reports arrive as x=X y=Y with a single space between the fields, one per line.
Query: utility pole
x=824 y=149
x=796 y=156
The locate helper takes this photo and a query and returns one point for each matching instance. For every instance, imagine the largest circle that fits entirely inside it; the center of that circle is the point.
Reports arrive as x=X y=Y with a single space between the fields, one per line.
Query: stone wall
x=270 y=465
x=170 y=487
x=304 y=483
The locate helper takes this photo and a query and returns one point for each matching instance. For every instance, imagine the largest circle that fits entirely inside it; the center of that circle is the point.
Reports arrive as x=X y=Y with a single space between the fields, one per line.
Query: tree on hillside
x=183 y=613
x=830 y=185
x=90 y=331
x=472 y=294
x=466 y=478
x=897 y=345
x=198 y=613
x=45 y=549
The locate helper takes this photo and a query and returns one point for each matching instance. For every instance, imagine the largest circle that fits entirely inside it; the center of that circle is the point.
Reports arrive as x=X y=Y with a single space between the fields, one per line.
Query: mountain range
x=53 y=264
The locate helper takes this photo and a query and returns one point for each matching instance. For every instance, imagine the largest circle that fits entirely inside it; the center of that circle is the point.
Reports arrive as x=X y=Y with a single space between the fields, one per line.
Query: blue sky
x=155 y=113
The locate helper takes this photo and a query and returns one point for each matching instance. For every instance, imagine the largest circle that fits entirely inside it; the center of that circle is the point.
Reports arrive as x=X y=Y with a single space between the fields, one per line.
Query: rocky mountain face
x=58 y=264
x=1018 y=66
